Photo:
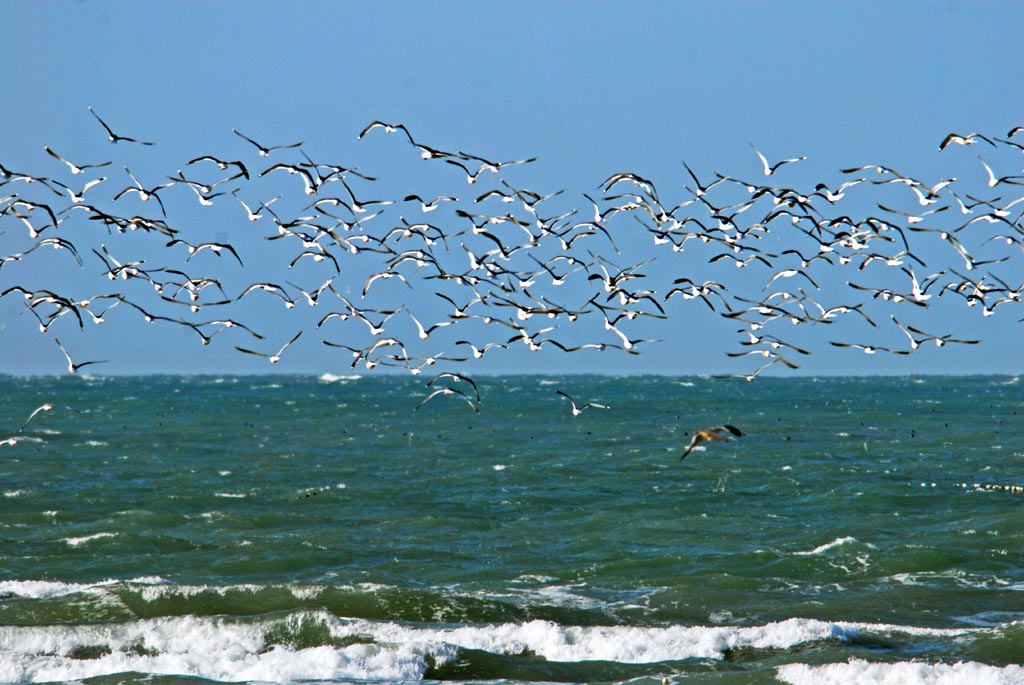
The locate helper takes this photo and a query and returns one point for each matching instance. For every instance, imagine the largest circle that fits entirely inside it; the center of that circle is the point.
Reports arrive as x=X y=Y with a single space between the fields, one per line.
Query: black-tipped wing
x=734 y=430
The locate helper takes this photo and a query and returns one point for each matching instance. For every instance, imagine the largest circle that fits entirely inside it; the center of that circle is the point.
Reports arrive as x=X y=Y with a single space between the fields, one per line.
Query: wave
x=318 y=645
x=212 y=649
x=906 y=673
x=79 y=541
x=828 y=545
x=47 y=589
x=335 y=378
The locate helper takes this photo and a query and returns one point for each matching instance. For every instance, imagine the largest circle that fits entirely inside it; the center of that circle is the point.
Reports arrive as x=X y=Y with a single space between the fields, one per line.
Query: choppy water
x=295 y=528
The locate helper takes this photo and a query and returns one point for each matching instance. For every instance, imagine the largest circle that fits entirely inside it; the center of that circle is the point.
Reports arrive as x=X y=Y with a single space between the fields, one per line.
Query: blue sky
x=590 y=89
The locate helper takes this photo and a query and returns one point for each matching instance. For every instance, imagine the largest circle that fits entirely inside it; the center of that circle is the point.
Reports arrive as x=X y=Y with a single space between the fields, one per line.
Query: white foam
x=335 y=378
x=211 y=648
x=625 y=644
x=15 y=493
x=236 y=649
x=77 y=542
x=148 y=580
x=45 y=589
x=827 y=546
x=214 y=649
x=901 y=673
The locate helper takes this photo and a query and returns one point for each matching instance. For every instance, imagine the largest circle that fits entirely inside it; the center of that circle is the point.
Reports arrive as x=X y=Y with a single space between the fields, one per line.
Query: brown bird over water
x=716 y=434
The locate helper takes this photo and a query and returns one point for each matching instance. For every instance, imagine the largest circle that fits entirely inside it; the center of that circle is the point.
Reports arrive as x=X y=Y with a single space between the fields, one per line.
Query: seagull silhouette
x=114 y=137
x=264 y=150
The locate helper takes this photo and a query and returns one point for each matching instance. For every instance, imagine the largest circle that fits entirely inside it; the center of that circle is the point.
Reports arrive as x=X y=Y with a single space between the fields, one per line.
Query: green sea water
x=283 y=528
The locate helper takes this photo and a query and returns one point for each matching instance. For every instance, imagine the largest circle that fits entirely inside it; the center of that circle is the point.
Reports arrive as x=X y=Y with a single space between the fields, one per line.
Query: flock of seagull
x=504 y=265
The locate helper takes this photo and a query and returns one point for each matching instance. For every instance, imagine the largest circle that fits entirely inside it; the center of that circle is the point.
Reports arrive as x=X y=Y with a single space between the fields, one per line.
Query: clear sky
x=590 y=89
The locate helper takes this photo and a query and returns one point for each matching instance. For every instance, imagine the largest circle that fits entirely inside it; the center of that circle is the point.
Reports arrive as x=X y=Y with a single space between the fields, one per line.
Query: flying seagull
x=39 y=410
x=770 y=169
x=451 y=392
x=264 y=150
x=274 y=358
x=576 y=411
x=114 y=138
x=73 y=366
x=75 y=168
x=716 y=434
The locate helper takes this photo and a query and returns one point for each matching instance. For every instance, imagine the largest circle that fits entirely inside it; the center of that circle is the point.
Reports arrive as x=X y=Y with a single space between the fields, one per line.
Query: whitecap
x=148 y=580
x=827 y=546
x=904 y=672
x=226 y=649
x=625 y=644
x=42 y=589
x=335 y=378
x=214 y=649
x=77 y=542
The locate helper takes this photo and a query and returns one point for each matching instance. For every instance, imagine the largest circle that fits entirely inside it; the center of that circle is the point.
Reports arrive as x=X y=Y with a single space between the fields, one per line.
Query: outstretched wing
x=732 y=429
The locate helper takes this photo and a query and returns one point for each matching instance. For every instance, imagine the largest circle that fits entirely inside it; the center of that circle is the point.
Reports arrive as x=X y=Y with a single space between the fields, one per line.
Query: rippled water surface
x=301 y=528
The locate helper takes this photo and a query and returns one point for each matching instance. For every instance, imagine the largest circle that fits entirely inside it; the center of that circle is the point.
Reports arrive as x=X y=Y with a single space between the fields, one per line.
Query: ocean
x=171 y=529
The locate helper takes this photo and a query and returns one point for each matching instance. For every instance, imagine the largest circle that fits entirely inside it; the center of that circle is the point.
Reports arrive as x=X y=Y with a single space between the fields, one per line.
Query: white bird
x=869 y=349
x=311 y=183
x=385 y=275
x=144 y=193
x=73 y=366
x=115 y=138
x=255 y=215
x=75 y=168
x=216 y=248
x=424 y=333
x=388 y=128
x=449 y=392
x=771 y=169
x=993 y=181
x=458 y=378
x=40 y=409
x=427 y=207
x=969 y=139
x=789 y=273
x=78 y=197
x=274 y=358
x=576 y=411
x=479 y=352
x=264 y=150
